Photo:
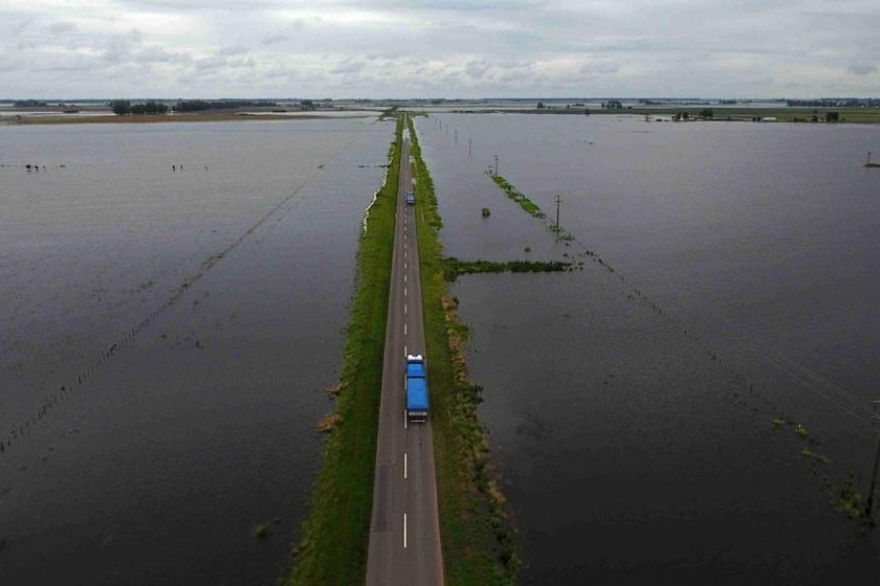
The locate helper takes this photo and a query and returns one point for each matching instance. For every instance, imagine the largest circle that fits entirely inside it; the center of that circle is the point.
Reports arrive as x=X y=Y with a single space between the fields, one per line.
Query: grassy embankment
x=478 y=543
x=334 y=547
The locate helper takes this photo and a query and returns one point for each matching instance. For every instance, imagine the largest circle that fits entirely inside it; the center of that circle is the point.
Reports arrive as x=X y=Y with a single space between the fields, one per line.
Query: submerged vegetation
x=478 y=536
x=844 y=494
x=453 y=267
x=333 y=549
x=531 y=208
x=513 y=193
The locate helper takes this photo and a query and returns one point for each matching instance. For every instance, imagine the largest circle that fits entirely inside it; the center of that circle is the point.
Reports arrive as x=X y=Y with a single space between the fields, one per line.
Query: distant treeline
x=123 y=107
x=202 y=105
x=835 y=103
x=29 y=104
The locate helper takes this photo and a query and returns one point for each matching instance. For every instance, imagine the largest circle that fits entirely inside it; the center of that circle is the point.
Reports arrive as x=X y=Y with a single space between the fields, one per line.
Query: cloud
x=862 y=69
x=349 y=66
x=442 y=48
x=476 y=69
x=601 y=67
x=59 y=28
x=273 y=40
x=233 y=50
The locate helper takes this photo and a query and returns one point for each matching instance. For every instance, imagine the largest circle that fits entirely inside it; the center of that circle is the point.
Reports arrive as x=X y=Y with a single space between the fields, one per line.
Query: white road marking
x=404 y=352
x=404 y=419
x=404 y=466
x=404 y=278
x=404 y=291
x=404 y=531
x=404 y=329
x=404 y=265
x=404 y=309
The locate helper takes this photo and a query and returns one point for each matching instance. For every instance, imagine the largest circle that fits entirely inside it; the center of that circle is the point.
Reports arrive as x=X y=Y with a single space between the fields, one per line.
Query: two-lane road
x=405 y=530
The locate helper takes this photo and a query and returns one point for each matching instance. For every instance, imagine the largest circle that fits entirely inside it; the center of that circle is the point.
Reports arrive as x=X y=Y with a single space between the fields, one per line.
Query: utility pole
x=496 y=165
x=558 y=201
x=456 y=136
x=470 y=148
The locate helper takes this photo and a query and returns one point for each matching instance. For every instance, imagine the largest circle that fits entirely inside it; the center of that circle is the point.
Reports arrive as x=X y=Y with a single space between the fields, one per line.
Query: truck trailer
x=416 y=389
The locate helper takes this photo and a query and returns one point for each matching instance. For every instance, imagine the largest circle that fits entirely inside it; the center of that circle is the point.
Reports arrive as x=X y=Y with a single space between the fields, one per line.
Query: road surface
x=404 y=530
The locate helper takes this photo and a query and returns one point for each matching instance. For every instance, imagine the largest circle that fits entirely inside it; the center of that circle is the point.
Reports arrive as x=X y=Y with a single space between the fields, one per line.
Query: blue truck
x=410 y=198
x=416 y=389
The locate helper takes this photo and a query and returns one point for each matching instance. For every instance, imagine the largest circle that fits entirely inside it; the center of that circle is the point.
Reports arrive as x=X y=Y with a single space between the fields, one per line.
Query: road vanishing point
x=405 y=528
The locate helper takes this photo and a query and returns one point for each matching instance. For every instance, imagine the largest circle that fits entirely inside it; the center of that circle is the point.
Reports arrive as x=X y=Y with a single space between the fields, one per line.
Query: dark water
x=194 y=318
x=630 y=410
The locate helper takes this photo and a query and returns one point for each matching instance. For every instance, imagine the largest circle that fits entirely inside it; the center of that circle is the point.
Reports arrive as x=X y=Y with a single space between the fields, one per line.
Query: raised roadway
x=404 y=530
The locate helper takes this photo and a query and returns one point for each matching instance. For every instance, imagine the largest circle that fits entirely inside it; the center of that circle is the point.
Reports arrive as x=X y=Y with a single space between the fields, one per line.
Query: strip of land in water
x=164 y=118
x=719 y=114
x=333 y=549
x=478 y=542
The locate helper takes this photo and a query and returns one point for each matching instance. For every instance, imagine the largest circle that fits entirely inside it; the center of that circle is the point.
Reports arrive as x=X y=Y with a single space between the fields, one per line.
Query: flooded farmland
x=172 y=302
x=690 y=409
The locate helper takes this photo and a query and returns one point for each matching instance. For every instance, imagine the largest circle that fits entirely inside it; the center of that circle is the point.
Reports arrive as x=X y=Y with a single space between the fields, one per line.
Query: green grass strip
x=528 y=205
x=478 y=544
x=453 y=267
x=336 y=534
x=513 y=193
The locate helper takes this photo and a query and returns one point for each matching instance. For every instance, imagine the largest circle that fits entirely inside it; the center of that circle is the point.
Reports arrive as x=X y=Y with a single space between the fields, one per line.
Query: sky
x=439 y=48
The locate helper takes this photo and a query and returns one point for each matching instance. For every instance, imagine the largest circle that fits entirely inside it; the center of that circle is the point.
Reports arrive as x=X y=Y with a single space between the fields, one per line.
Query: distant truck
x=410 y=199
x=416 y=389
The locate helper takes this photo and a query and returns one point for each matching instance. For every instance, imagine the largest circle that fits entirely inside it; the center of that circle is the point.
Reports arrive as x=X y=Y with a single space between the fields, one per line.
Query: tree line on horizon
x=125 y=107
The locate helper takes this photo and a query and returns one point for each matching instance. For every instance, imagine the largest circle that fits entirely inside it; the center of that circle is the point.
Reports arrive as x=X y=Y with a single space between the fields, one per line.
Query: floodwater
x=630 y=404
x=172 y=302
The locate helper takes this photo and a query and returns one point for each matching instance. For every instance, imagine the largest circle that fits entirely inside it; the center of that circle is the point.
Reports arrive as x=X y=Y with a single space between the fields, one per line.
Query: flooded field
x=173 y=299
x=631 y=405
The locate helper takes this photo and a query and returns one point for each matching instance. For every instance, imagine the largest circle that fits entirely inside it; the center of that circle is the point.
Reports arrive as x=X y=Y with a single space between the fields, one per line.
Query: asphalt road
x=405 y=529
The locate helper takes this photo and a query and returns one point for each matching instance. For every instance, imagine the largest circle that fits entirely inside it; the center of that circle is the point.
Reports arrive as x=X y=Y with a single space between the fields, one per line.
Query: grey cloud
x=862 y=69
x=349 y=67
x=203 y=5
x=603 y=67
x=448 y=47
x=120 y=47
x=273 y=40
x=23 y=25
x=476 y=69
x=233 y=50
x=62 y=27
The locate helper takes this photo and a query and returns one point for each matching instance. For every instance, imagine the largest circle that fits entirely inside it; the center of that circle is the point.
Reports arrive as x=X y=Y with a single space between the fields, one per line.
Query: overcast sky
x=439 y=48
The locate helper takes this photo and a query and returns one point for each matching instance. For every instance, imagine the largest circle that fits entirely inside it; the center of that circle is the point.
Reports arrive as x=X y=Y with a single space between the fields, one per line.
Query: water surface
x=187 y=285
x=630 y=404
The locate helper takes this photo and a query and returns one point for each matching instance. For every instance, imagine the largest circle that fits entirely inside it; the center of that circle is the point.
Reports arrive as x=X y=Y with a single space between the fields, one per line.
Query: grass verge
x=478 y=543
x=334 y=547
